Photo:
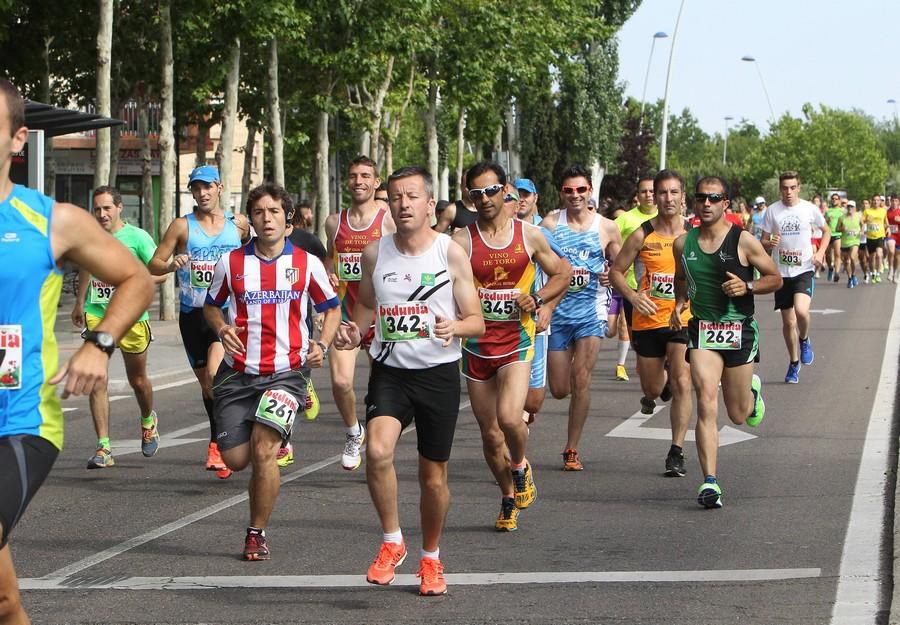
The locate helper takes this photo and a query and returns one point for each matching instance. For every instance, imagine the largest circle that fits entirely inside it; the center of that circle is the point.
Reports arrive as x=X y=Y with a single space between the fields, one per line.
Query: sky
x=843 y=54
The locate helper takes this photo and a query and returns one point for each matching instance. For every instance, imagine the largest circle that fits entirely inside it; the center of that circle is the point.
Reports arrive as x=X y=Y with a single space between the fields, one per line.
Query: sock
x=103 y=442
x=803 y=340
x=147 y=422
x=794 y=363
x=393 y=537
x=675 y=450
x=710 y=479
x=518 y=467
x=623 y=351
x=434 y=555
x=208 y=404
x=354 y=430
x=256 y=530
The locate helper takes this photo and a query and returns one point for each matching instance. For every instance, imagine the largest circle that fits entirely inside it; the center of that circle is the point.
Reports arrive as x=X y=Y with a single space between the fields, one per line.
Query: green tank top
x=850 y=227
x=705 y=274
x=141 y=244
x=833 y=216
x=627 y=223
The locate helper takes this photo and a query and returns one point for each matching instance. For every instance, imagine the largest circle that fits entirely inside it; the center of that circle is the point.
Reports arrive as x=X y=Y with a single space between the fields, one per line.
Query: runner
x=505 y=254
x=194 y=244
x=875 y=224
x=893 y=242
x=863 y=250
x=649 y=249
x=759 y=213
x=834 y=256
x=458 y=214
x=420 y=283
x=579 y=321
x=347 y=233
x=849 y=227
x=261 y=385
x=40 y=235
x=91 y=302
x=787 y=230
x=714 y=269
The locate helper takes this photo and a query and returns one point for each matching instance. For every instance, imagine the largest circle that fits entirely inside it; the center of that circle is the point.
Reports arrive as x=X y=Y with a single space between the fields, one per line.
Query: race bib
x=202 y=273
x=101 y=292
x=721 y=335
x=10 y=357
x=581 y=277
x=279 y=408
x=662 y=286
x=403 y=321
x=499 y=305
x=790 y=258
x=873 y=227
x=851 y=234
x=350 y=266
x=893 y=228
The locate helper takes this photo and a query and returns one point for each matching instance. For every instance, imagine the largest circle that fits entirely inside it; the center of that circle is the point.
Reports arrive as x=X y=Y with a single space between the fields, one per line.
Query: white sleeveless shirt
x=409 y=292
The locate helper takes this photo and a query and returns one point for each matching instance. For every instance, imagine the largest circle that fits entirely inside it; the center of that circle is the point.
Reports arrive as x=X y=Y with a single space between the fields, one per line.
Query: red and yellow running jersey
x=656 y=266
x=348 y=246
x=501 y=274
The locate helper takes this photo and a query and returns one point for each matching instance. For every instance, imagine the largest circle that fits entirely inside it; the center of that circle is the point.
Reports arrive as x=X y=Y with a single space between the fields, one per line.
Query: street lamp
x=659 y=35
x=728 y=118
x=750 y=59
x=894 y=102
x=665 y=120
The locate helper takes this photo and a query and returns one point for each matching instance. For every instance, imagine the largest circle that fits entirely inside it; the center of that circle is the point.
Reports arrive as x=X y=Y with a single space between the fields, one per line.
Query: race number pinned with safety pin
x=662 y=286
x=278 y=408
x=721 y=335
x=403 y=321
x=499 y=304
x=202 y=273
x=349 y=266
x=101 y=292
x=581 y=277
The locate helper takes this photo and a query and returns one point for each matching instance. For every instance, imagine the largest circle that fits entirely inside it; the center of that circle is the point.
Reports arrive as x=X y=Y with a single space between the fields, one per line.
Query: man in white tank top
x=413 y=283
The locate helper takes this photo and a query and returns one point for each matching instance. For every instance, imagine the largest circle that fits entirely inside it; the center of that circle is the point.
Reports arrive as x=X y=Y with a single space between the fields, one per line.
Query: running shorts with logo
x=429 y=397
x=244 y=399
x=135 y=341
x=481 y=369
x=804 y=283
x=31 y=417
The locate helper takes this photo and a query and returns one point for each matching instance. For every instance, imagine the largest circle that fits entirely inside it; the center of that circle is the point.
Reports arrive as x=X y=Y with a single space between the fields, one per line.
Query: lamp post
x=665 y=120
x=890 y=101
x=728 y=118
x=750 y=59
x=659 y=35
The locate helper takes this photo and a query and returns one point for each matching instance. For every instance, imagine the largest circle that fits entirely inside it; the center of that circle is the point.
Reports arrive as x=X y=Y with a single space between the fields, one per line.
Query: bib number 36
x=278 y=408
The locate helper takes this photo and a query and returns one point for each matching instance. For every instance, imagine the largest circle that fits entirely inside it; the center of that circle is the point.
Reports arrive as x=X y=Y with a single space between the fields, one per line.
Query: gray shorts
x=243 y=399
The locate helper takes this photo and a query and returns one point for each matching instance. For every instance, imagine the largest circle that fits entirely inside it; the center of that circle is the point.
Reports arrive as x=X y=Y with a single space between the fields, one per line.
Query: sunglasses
x=574 y=190
x=489 y=191
x=714 y=198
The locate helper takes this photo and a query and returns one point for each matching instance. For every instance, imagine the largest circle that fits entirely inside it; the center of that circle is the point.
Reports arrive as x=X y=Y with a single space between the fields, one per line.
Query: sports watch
x=103 y=340
x=538 y=300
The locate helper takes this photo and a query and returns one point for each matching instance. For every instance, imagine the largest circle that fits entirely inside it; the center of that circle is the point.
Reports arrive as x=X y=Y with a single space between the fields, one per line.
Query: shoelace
x=519 y=479
x=147 y=433
x=570 y=455
x=430 y=570
x=385 y=556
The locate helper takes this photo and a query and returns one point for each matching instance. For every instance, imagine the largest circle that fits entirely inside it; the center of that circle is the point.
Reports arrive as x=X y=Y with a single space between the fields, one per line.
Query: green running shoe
x=759 y=406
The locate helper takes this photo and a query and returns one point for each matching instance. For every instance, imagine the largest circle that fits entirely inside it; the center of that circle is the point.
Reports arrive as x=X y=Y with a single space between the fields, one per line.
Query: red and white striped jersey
x=269 y=299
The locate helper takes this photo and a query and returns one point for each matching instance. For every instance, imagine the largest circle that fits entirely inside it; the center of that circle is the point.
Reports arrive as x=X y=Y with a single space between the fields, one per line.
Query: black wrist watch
x=102 y=340
x=538 y=300
x=324 y=348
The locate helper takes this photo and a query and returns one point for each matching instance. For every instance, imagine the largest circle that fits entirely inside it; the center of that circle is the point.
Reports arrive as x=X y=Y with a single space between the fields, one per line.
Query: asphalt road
x=159 y=540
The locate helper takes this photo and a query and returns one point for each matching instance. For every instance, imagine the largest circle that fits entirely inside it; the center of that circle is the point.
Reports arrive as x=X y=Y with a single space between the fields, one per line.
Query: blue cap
x=204 y=173
x=526 y=185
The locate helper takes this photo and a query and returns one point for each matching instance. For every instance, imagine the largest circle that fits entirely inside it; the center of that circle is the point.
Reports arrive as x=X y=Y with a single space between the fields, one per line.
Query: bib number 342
x=721 y=335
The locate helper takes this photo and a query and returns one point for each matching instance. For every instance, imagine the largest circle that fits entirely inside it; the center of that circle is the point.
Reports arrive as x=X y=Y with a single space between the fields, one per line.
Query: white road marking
x=137 y=541
x=859 y=598
x=453 y=579
x=121 y=384
x=161 y=387
x=172 y=439
x=632 y=427
x=826 y=311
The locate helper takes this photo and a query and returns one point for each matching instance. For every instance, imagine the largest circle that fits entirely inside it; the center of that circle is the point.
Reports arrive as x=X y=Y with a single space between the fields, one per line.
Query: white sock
x=354 y=430
x=393 y=537
x=434 y=555
x=623 y=351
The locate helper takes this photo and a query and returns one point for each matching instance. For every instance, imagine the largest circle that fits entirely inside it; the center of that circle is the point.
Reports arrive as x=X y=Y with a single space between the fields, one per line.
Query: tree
x=104 y=60
x=166 y=148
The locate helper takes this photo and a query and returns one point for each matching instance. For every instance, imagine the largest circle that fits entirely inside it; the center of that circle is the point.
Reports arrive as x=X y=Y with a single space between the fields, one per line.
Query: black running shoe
x=675 y=465
x=647 y=405
x=666 y=393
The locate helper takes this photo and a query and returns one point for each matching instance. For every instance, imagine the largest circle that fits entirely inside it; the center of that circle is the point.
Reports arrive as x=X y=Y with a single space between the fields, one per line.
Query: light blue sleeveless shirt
x=194 y=278
x=585 y=300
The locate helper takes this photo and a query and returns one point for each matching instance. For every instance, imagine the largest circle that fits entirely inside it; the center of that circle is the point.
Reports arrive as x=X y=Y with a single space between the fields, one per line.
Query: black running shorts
x=652 y=343
x=804 y=283
x=747 y=353
x=428 y=396
x=196 y=335
x=25 y=462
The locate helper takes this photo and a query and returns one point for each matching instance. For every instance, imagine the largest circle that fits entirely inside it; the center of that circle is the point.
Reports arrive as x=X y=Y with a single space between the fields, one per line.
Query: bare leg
x=383 y=433
x=434 y=501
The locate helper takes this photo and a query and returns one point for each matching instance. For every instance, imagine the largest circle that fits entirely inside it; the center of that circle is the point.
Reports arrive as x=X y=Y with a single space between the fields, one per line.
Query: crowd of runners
x=512 y=302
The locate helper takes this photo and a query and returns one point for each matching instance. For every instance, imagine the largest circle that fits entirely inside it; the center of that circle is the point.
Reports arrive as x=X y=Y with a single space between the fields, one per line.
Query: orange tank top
x=656 y=265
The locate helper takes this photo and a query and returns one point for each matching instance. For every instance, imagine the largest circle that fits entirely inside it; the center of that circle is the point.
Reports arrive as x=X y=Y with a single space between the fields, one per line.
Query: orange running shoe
x=571 y=461
x=431 y=574
x=390 y=556
x=214 y=458
x=224 y=473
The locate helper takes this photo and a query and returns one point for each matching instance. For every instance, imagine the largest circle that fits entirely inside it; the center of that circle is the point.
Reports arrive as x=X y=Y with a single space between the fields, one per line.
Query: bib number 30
x=278 y=408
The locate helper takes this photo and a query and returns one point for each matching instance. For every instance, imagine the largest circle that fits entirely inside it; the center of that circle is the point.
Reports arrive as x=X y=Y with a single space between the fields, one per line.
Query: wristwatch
x=324 y=348
x=749 y=287
x=102 y=340
x=538 y=300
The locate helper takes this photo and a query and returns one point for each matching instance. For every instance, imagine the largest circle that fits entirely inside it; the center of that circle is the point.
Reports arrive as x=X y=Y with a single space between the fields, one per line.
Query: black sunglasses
x=489 y=191
x=714 y=198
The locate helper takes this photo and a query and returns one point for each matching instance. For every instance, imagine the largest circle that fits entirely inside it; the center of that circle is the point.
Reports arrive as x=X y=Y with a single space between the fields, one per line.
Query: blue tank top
x=585 y=301
x=30 y=284
x=194 y=278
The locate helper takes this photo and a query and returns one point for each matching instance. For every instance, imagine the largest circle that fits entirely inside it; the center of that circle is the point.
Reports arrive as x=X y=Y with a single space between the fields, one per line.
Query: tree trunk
x=365 y=141
x=115 y=140
x=229 y=121
x=388 y=156
x=597 y=173
x=166 y=151
x=49 y=161
x=377 y=108
x=497 y=147
x=460 y=150
x=431 y=132
x=146 y=170
x=200 y=148
x=248 y=161
x=512 y=136
x=104 y=57
x=276 y=138
x=444 y=193
x=323 y=204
